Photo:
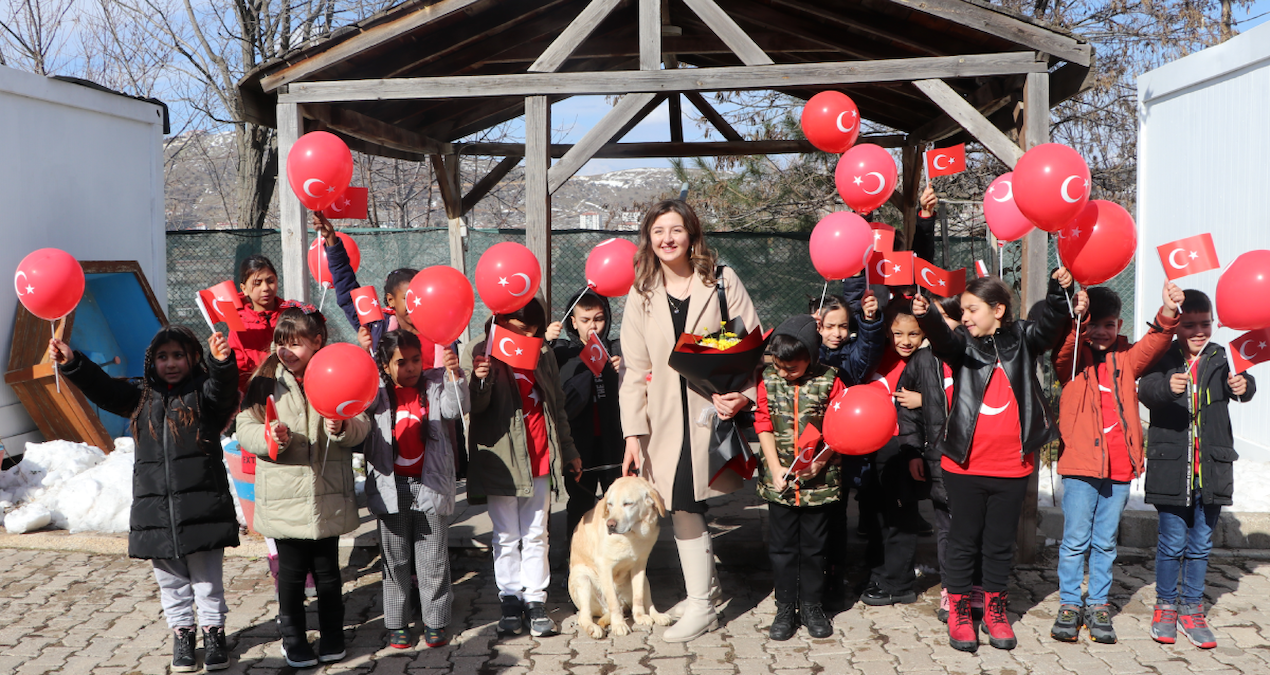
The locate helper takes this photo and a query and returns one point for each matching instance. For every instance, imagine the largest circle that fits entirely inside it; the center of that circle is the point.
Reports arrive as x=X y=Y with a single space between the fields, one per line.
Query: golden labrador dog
x=609 y=559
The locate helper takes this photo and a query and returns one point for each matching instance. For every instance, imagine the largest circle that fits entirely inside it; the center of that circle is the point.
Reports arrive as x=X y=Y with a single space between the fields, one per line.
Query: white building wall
x=82 y=171
x=1204 y=166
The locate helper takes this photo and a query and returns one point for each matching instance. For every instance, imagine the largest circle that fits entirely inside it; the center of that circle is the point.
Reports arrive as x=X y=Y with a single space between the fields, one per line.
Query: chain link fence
x=775 y=267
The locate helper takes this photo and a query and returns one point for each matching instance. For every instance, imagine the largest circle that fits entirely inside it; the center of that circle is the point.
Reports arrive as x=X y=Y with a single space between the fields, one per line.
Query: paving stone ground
x=70 y=613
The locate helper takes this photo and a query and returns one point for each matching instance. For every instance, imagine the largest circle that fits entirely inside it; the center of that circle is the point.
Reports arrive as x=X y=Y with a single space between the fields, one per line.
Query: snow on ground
x=1250 y=495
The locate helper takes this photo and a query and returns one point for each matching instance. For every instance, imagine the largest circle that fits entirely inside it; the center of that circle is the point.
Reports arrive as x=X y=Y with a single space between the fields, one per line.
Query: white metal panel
x=83 y=172
x=1204 y=166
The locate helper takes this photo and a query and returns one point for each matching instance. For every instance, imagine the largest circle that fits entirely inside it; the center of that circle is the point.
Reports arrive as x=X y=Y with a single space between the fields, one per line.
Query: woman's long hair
x=293 y=322
x=647 y=265
x=194 y=353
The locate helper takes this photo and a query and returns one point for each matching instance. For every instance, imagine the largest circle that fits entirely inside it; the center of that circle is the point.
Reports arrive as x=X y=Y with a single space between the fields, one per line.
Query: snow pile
x=77 y=485
x=1250 y=497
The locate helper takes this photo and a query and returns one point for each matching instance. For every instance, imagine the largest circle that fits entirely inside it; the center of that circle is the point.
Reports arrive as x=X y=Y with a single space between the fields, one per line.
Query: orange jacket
x=1080 y=408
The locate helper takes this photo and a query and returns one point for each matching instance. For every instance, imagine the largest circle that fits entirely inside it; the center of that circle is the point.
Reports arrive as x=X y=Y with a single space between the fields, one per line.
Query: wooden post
x=457 y=223
x=912 y=171
x=537 y=196
x=295 y=237
x=1035 y=130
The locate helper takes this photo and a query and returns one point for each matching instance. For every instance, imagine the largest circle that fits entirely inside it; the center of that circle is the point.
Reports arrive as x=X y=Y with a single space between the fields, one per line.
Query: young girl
x=304 y=497
x=182 y=511
x=410 y=481
x=997 y=420
x=258 y=281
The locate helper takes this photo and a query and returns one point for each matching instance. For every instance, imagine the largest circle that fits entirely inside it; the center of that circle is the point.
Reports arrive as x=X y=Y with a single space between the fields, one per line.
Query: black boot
x=295 y=644
x=786 y=622
x=215 y=653
x=813 y=617
x=331 y=625
x=183 y=659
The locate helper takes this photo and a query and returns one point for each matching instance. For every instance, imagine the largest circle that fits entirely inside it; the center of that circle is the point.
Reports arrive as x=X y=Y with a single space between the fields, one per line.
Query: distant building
x=591 y=221
x=629 y=220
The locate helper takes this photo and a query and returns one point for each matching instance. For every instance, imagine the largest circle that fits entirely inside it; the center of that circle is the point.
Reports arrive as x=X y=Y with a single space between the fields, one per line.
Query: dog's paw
x=594 y=630
x=661 y=619
x=620 y=628
x=603 y=620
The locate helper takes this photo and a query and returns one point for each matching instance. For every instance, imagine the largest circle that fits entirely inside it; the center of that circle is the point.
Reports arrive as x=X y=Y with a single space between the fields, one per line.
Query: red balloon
x=319 y=266
x=1099 y=243
x=49 y=282
x=840 y=245
x=831 y=121
x=319 y=168
x=1242 y=290
x=860 y=421
x=865 y=177
x=444 y=301
x=610 y=267
x=341 y=381
x=1051 y=185
x=507 y=277
x=1004 y=218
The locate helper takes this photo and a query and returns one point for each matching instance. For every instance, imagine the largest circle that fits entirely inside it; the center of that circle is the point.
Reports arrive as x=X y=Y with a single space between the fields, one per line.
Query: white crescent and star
x=409 y=304
x=845 y=130
x=926 y=278
x=881 y=263
x=985 y=409
x=533 y=393
x=597 y=355
x=339 y=409
x=502 y=346
x=1063 y=190
x=16 y=287
x=881 y=183
x=311 y=181
x=358 y=304
x=1173 y=259
x=503 y=282
x=1009 y=191
x=935 y=162
x=1244 y=346
x=337 y=209
x=1108 y=429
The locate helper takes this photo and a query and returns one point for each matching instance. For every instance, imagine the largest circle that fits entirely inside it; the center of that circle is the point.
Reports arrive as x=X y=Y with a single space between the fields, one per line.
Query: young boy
x=520 y=450
x=591 y=401
x=792 y=396
x=1102 y=450
x=1191 y=474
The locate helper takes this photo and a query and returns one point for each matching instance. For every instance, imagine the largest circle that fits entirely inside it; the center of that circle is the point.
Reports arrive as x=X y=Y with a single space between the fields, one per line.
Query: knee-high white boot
x=696 y=559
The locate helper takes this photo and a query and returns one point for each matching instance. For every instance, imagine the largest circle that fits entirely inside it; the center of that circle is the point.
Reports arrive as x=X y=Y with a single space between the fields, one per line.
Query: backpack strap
x=723 y=295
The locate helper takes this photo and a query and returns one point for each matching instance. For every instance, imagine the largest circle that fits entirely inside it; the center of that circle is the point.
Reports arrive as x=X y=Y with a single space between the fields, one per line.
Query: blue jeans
x=1186 y=538
x=1091 y=520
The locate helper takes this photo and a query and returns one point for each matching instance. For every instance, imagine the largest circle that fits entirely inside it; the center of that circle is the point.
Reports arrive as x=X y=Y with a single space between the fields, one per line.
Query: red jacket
x=1080 y=408
x=253 y=346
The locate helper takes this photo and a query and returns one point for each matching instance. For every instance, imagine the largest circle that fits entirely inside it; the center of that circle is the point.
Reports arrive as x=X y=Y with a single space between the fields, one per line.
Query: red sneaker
x=961 y=627
x=995 y=622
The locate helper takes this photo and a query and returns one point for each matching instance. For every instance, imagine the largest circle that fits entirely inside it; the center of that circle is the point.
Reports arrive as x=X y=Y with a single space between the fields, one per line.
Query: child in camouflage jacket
x=792 y=396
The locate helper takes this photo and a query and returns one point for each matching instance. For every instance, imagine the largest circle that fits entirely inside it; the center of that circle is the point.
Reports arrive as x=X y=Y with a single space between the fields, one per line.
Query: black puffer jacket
x=587 y=396
x=1017 y=346
x=919 y=429
x=1170 y=462
x=181 y=502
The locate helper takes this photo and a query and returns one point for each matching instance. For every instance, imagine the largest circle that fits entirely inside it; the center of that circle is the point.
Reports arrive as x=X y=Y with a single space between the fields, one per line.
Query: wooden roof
x=434 y=38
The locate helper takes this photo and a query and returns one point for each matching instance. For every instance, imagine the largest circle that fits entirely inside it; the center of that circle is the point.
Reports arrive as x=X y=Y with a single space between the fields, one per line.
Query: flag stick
x=823 y=291
x=57 y=374
x=1001 y=259
x=1076 y=350
x=569 y=311
x=791 y=466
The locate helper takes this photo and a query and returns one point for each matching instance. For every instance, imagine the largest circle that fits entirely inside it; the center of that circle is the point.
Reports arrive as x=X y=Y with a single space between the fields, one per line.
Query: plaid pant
x=423 y=536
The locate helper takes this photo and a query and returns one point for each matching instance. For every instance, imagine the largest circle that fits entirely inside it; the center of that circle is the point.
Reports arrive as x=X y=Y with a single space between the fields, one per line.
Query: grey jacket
x=446 y=401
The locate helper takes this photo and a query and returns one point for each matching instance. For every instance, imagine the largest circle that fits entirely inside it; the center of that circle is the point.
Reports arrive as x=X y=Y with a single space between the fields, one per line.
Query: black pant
x=798 y=543
x=985 y=521
x=895 y=512
x=296 y=559
x=857 y=473
x=582 y=493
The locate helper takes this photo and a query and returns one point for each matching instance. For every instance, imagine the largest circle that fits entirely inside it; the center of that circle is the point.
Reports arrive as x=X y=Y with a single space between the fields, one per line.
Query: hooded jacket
x=1017 y=346
x=1080 y=419
x=590 y=401
x=181 y=502
x=1170 y=440
x=920 y=428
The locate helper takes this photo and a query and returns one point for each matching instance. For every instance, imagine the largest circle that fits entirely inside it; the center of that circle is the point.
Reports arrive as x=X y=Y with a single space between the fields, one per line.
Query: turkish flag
x=883 y=237
x=1188 y=256
x=271 y=416
x=350 y=205
x=809 y=448
x=1249 y=349
x=938 y=281
x=946 y=161
x=891 y=268
x=517 y=351
x=594 y=355
x=220 y=303
x=370 y=311
x=981 y=269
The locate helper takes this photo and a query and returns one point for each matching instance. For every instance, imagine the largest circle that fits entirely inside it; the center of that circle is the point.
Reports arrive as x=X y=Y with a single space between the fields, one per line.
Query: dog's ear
x=602 y=509
x=657 y=501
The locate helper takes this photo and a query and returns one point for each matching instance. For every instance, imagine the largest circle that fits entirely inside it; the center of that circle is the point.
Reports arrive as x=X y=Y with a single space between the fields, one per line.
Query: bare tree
x=34 y=34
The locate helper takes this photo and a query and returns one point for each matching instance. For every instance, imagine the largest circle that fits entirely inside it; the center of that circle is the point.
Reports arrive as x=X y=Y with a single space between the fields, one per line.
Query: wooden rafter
x=727 y=29
x=663 y=149
x=993 y=21
x=487 y=183
x=703 y=106
x=988 y=99
x=443 y=167
x=573 y=36
x=845 y=21
x=371 y=130
x=969 y=118
x=628 y=112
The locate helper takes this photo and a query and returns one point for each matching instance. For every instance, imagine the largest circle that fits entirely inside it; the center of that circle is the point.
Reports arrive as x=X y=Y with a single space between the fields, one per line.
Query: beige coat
x=307 y=493
x=651 y=407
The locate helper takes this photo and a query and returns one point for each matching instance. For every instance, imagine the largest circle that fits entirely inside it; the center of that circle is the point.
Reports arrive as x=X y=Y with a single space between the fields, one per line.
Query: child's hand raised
x=334 y=427
x=450 y=360
x=363 y=337
x=1238 y=384
x=869 y=305
x=323 y=228
x=60 y=352
x=1173 y=297
x=1177 y=383
x=281 y=434
x=219 y=346
x=480 y=367
x=920 y=305
x=1063 y=276
x=1081 y=303
x=553 y=331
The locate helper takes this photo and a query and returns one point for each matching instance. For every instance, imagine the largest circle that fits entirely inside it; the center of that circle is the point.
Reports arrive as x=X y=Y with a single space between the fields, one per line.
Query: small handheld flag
x=946 y=161
x=350 y=205
x=1191 y=255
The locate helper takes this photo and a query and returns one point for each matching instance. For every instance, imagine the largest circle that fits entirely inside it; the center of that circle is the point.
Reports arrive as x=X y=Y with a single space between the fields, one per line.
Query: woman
x=675 y=292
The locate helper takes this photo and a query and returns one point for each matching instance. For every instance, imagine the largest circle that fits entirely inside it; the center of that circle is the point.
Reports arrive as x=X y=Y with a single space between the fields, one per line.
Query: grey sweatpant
x=193 y=581
x=423 y=537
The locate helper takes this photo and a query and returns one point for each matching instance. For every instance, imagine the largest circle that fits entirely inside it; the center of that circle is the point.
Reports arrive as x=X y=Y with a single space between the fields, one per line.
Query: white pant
x=189 y=582
x=520 y=542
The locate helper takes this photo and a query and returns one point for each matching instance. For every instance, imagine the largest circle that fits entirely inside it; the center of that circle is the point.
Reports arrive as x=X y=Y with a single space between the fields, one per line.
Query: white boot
x=696 y=559
x=716 y=598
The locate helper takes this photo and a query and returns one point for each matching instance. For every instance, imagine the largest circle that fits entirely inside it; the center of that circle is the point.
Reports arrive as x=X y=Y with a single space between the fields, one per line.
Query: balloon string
x=458 y=400
x=1076 y=348
x=57 y=374
x=1001 y=259
x=323 y=300
x=1067 y=295
x=569 y=311
x=324 y=454
x=822 y=297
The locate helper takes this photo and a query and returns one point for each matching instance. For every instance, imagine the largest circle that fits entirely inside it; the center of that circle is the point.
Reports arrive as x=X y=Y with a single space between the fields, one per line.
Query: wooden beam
x=771 y=20
x=623 y=115
x=969 y=118
x=859 y=26
x=911 y=166
x=676 y=112
x=989 y=98
x=1069 y=81
x=613 y=46
x=662 y=149
x=649 y=34
x=291 y=214
x=375 y=131
x=703 y=106
x=368 y=39
x=456 y=225
x=736 y=39
x=728 y=78
x=990 y=20
x=537 y=194
x=443 y=167
x=491 y=179
x=577 y=33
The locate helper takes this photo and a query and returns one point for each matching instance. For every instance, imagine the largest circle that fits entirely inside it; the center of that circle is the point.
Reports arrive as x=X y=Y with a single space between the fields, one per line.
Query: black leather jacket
x=1018 y=346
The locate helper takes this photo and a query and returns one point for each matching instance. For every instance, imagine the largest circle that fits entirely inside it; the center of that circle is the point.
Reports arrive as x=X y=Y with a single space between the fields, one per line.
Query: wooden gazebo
x=413 y=81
